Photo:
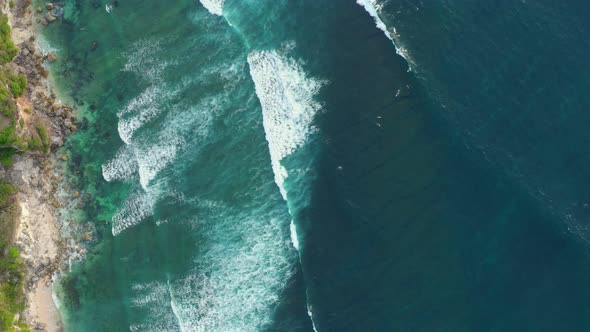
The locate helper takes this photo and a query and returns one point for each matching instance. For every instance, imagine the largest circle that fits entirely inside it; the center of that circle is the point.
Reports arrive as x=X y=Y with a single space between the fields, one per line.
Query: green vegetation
x=6 y=157
x=11 y=266
x=12 y=271
x=41 y=141
x=18 y=85
x=6 y=192
x=7 y=49
x=11 y=290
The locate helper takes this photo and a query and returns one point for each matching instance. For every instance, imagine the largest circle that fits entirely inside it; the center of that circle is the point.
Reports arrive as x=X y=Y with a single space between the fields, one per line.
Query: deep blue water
x=387 y=165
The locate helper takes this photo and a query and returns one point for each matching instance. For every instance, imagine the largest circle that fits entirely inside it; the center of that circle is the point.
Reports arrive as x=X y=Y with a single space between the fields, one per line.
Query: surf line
x=372 y=7
x=286 y=94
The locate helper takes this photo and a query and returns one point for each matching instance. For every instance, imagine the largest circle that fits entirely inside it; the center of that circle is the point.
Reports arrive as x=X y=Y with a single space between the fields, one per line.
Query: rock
x=60 y=112
x=49 y=6
x=39 y=9
x=25 y=51
x=56 y=204
x=64 y=158
x=76 y=194
x=51 y=57
x=50 y=18
x=55 y=107
x=44 y=21
x=86 y=237
x=94 y=45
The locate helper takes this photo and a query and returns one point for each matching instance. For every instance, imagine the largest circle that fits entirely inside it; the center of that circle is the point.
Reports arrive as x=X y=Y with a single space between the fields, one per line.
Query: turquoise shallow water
x=338 y=166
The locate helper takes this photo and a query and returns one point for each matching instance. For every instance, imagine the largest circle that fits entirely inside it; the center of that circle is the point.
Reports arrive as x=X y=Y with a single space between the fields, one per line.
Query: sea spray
x=287 y=95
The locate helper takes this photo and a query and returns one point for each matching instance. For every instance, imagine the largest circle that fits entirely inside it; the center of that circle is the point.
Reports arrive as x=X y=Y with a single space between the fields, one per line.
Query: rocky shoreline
x=36 y=174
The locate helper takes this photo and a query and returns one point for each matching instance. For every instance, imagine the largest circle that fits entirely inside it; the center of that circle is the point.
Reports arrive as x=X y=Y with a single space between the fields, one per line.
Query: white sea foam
x=238 y=282
x=154 y=159
x=294 y=238
x=286 y=94
x=154 y=297
x=137 y=207
x=142 y=59
x=373 y=8
x=123 y=166
x=213 y=6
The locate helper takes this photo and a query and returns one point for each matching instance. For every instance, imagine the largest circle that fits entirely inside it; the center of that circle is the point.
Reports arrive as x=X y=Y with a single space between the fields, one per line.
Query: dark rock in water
x=51 y=57
x=39 y=10
x=57 y=12
x=50 y=18
x=94 y=45
x=115 y=3
x=93 y=107
x=119 y=97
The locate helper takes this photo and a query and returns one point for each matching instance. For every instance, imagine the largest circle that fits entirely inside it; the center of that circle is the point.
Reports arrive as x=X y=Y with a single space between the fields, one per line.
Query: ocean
x=369 y=165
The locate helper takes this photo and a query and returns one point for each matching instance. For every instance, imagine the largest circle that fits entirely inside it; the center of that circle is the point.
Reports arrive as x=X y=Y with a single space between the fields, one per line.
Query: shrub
x=6 y=157
x=6 y=192
x=7 y=49
x=18 y=84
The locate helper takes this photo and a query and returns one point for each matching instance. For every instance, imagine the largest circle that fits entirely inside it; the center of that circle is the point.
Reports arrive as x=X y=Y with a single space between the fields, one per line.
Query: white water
x=373 y=8
x=286 y=94
x=244 y=265
x=215 y=7
x=136 y=208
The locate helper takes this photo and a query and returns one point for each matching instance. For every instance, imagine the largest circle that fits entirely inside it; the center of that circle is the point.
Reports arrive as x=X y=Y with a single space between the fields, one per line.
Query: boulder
x=64 y=158
x=49 y=6
x=39 y=9
x=51 y=57
x=50 y=18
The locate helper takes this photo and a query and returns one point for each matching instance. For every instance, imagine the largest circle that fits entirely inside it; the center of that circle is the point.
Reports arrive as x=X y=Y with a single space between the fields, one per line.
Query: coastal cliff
x=33 y=127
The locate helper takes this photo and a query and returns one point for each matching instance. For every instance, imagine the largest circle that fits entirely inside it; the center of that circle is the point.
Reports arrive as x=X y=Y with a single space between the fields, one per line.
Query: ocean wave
x=286 y=94
x=154 y=297
x=213 y=6
x=143 y=60
x=122 y=167
x=137 y=207
x=238 y=282
x=373 y=8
